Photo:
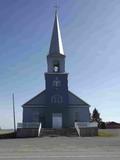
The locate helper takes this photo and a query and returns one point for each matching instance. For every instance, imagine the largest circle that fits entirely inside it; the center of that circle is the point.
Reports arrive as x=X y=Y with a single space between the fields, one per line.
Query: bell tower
x=56 y=78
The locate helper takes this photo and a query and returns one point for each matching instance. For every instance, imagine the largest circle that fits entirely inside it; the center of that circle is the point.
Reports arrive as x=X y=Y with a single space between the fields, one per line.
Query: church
x=56 y=106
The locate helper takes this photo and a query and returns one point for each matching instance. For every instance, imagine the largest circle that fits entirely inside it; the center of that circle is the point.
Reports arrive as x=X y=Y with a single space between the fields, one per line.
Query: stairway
x=51 y=132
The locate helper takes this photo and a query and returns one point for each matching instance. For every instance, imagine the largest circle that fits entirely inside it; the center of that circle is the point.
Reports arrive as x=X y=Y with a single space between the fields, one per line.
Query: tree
x=96 y=116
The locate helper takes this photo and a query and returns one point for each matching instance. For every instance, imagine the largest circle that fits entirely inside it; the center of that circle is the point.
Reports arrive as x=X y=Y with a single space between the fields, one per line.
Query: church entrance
x=57 y=120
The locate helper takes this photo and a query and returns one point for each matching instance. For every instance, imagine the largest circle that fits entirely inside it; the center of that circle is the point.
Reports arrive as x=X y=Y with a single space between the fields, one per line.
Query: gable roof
x=74 y=100
x=37 y=100
x=41 y=100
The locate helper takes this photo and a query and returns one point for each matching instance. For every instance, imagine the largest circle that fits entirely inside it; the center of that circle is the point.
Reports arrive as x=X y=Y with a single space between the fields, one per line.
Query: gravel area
x=61 y=148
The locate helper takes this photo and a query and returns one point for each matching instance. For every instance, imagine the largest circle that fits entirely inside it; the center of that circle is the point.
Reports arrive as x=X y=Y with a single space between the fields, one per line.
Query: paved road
x=61 y=148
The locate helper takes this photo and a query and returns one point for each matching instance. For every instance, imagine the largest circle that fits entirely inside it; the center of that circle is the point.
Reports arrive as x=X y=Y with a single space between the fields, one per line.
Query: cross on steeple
x=56 y=8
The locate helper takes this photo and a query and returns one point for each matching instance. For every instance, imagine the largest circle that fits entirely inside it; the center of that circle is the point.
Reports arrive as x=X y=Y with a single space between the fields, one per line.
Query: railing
x=28 y=125
x=86 y=124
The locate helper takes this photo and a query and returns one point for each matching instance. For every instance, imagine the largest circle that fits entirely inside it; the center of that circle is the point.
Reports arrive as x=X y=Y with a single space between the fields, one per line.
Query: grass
x=105 y=134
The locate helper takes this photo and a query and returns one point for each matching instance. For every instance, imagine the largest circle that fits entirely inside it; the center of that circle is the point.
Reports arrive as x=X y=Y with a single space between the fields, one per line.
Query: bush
x=102 y=125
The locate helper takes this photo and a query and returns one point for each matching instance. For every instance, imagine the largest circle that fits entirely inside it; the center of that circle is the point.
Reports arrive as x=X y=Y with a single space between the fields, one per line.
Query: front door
x=57 y=120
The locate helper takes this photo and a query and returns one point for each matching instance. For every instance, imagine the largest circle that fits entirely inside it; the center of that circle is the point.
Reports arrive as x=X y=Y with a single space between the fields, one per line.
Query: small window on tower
x=56 y=67
x=56 y=82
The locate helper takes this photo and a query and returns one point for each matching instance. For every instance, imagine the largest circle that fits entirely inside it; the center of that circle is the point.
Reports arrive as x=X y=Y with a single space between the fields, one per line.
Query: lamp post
x=13 y=100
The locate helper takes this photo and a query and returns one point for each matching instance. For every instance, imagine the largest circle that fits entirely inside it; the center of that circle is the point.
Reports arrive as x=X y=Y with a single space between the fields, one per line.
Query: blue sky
x=91 y=35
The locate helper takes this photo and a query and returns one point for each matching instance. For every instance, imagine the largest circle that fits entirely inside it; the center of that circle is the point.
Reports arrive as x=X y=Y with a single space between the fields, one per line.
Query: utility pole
x=13 y=100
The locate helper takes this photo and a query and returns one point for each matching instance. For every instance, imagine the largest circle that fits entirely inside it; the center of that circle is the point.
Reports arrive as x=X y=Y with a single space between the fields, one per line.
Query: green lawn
x=105 y=134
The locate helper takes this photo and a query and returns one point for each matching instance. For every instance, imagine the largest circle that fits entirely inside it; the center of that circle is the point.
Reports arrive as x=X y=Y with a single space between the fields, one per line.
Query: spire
x=56 y=46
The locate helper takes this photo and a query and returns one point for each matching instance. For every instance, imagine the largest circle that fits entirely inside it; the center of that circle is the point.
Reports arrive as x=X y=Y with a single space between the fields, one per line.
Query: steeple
x=56 y=57
x=56 y=46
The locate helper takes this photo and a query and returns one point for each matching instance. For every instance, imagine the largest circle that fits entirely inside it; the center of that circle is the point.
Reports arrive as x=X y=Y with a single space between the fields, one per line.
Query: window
x=56 y=99
x=56 y=66
x=56 y=82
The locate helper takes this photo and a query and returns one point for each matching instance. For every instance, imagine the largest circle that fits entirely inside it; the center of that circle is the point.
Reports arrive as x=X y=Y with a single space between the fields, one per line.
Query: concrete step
x=51 y=132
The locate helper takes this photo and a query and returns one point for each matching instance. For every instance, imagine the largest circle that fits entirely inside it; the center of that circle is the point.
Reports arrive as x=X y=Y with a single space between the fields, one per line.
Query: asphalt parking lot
x=61 y=148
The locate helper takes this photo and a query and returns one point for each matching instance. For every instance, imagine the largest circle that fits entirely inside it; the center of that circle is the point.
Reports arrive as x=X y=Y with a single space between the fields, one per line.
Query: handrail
x=39 y=129
x=77 y=129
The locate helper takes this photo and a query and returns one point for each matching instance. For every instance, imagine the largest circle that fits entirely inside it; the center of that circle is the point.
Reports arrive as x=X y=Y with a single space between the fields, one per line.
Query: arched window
x=56 y=66
x=56 y=99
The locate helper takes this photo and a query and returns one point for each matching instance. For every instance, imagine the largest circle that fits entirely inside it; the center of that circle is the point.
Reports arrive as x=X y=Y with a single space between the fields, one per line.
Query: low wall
x=88 y=132
x=86 y=129
x=27 y=132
